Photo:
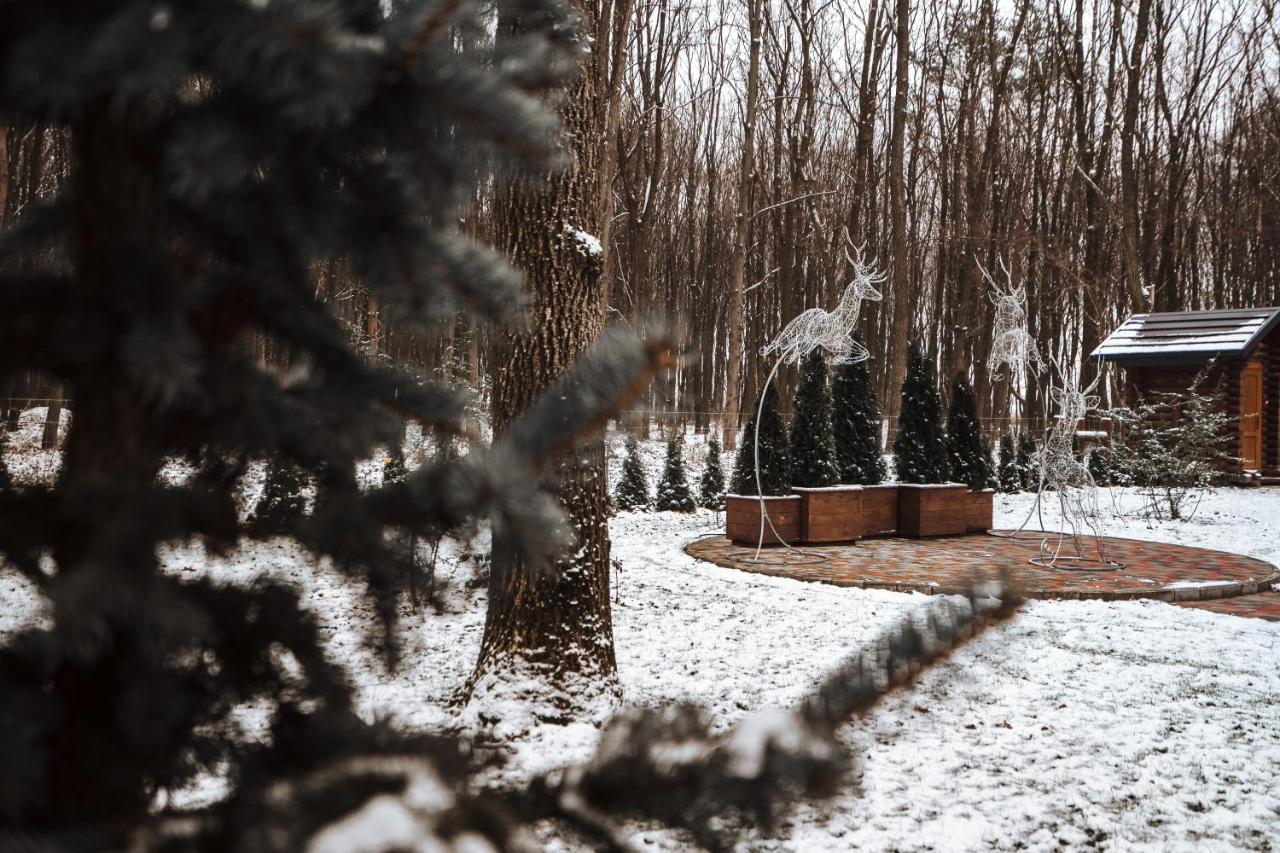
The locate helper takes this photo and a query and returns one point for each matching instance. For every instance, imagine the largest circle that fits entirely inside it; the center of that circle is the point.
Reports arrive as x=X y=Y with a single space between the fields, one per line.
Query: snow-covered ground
x=1125 y=725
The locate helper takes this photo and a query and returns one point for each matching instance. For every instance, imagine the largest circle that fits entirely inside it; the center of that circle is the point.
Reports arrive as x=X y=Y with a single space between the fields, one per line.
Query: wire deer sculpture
x=813 y=328
x=1067 y=476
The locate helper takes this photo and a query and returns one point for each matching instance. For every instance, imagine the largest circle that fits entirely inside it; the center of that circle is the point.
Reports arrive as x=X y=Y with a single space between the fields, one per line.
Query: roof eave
x=1149 y=359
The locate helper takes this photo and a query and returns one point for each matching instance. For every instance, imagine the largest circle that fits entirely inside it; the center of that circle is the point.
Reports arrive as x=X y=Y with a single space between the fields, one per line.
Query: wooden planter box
x=879 y=510
x=831 y=514
x=742 y=519
x=981 y=510
x=933 y=509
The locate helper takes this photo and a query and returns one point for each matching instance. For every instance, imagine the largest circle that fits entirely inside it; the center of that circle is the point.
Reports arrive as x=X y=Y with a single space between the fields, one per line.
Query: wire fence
x=642 y=423
x=664 y=423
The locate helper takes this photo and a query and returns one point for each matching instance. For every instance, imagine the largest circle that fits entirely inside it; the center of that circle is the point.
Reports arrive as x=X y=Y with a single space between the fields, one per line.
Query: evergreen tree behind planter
x=1010 y=479
x=633 y=489
x=812 y=446
x=711 y=484
x=1028 y=476
x=674 y=494
x=282 y=504
x=969 y=461
x=920 y=447
x=855 y=422
x=775 y=462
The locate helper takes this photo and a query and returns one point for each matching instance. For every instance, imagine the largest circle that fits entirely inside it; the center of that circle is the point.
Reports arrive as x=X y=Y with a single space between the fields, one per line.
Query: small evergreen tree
x=711 y=484
x=812 y=446
x=674 y=494
x=1176 y=445
x=969 y=460
x=920 y=447
x=282 y=504
x=633 y=489
x=1098 y=459
x=775 y=462
x=855 y=422
x=1028 y=476
x=1010 y=480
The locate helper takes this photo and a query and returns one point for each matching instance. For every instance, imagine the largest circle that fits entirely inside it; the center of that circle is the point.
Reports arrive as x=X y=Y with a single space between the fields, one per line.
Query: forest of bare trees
x=1114 y=156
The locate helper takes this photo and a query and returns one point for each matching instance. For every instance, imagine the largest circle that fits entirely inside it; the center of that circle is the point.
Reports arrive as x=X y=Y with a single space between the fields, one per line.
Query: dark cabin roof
x=1187 y=337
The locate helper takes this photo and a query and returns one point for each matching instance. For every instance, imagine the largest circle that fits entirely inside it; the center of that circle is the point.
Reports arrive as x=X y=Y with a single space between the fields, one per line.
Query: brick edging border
x=1195 y=593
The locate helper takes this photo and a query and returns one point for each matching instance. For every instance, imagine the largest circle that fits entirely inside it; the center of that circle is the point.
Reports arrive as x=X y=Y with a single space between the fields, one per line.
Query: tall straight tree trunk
x=1128 y=168
x=734 y=400
x=899 y=296
x=557 y=624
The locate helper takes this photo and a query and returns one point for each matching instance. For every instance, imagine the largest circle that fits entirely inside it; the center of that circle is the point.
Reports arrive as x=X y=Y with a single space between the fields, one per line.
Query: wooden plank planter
x=933 y=509
x=849 y=513
x=879 y=510
x=742 y=519
x=830 y=514
x=981 y=510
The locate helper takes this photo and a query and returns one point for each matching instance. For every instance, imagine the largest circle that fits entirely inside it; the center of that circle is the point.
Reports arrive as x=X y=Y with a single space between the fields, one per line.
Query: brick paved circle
x=946 y=564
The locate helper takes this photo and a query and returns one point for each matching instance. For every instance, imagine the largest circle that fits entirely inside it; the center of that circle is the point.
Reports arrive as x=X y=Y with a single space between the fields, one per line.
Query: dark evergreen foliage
x=282 y=504
x=711 y=484
x=1024 y=464
x=221 y=153
x=393 y=468
x=674 y=493
x=1176 y=445
x=633 y=489
x=920 y=447
x=6 y=483
x=812 y=446
x=855 y=421
x=775 y=460
x=1010 y=479
x=1099 y=462
x=969 y=459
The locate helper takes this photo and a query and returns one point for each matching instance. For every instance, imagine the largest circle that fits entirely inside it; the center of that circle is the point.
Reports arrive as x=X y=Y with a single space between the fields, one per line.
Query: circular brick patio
x=946 y=564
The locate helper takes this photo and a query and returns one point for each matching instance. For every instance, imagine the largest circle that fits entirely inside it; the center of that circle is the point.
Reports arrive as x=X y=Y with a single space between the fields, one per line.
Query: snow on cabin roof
x=1187 y=336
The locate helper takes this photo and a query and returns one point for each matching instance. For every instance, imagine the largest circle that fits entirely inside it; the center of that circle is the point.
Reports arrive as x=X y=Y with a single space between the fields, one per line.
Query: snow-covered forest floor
x=1125 y=725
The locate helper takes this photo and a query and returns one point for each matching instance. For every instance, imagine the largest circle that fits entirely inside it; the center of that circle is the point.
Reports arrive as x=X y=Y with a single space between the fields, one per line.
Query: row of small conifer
x=835 y=439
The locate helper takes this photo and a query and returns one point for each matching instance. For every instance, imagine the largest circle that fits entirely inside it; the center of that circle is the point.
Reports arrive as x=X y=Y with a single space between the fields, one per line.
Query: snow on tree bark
x=557 y=624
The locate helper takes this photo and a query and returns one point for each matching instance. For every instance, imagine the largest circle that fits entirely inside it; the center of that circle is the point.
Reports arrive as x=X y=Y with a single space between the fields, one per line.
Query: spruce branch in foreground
x=658 y=764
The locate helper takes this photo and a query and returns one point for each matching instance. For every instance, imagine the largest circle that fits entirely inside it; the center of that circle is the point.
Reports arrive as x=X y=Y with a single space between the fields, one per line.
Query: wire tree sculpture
x=813 y=328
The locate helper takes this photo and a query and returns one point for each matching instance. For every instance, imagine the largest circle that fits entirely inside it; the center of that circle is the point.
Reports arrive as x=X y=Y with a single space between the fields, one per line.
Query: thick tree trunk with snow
x=557 y=624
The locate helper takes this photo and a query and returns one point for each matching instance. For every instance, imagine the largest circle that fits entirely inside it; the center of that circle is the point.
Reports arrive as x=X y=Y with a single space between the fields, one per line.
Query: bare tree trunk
x=899 y=296
x=733 y=399
x=1128 y=172
x=557 y=625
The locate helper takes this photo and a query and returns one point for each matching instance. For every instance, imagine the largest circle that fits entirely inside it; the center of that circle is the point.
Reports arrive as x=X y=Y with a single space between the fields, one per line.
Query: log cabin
x=1238 y=351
